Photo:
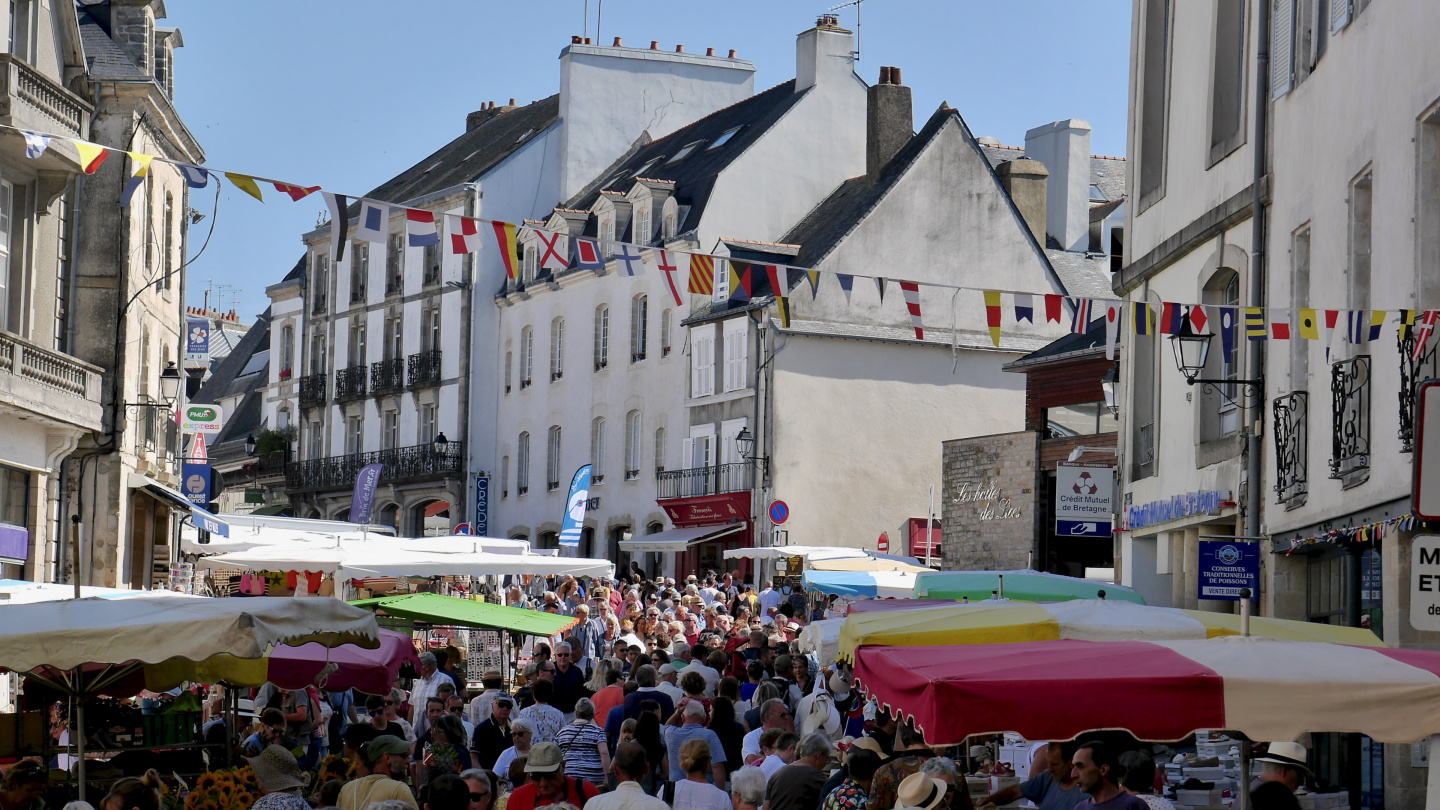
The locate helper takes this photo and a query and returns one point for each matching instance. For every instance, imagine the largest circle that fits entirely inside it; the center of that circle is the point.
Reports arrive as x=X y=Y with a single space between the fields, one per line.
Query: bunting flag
x=297 y=193
x=1422 y=335
x=139 y=170
x=665 y=261
x=880 y=282
x=1309 y=325
x=814 y=276
x=1054 y=308
x=420 y=228
x=1227 y=333
x=1080 y=322
x=554 y=249
x=1024 y=308
x=912 y=303
x=35 y=144
x=702 y=275
x=740 y=280
x=1142 y=319
x=244 y=182
x=587 y=254
x=1255 y=323
x=1377 y=320
x=505 y=240
x=847 y=284
x=91 y=155
x=373 y=225
x=464 y=234
x=339 y=224
x=992 y=311
x=1199 y=322
x=779 y=276
x=1172 y=318
x=196 y=177
x=782 y=308
x=1112 y=328
x=1406 y=324
x=1332 y=317
x=1279 y=330
x=629 y=261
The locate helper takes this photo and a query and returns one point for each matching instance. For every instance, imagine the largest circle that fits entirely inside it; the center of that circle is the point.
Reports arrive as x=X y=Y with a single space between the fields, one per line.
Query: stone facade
x=989 y=509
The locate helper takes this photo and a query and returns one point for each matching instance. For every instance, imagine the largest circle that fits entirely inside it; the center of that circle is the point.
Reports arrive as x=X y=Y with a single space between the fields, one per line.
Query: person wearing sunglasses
x=455 y=705
x=482 y=794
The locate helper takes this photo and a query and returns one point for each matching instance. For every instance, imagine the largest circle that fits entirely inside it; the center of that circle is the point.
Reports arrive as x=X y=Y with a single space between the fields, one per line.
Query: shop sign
x=197 y=342
x=1084 y=499
x=708 y=509
x=1426 y=491
x=482 y=506
x=991 y=501
x=1204 y=502
x=196 y=481
x=14 y=543
x=254 y=495
x=202 y=419
x=1226 y=566
x=1425 y=582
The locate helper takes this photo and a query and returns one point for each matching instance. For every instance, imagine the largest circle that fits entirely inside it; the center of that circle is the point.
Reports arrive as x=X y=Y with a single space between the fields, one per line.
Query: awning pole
x=1244 y=611
x=79 y=732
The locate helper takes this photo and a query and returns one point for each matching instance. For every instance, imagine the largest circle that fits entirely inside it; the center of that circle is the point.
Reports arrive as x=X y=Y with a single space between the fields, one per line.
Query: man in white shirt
x=698 y=655
x=773 y=715
x=630 y=768
x=782 y=753
x=425 y=686
x=494 y=685
x=709 y=593
x=769 y=598
x=668 y=677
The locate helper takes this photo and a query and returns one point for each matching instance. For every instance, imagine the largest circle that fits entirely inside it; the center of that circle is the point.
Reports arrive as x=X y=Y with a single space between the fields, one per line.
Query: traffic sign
x=779 y=512
x=884 y=544
x=463 y=529
x=1427 y=451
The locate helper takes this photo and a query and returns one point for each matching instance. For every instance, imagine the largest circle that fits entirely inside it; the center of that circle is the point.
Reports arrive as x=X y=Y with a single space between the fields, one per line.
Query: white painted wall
x=1064 y=147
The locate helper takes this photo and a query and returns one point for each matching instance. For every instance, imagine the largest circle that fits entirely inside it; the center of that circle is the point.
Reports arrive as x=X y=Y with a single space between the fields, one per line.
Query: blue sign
x=1226 y=566
x=1082 y=528
x=207 y=522
x=1204 y=502
x=197 y=341
x=14 y=543
x=779 y=512
x=575 y=508
x=196 y=481
x=482 y=506
x=362 y=500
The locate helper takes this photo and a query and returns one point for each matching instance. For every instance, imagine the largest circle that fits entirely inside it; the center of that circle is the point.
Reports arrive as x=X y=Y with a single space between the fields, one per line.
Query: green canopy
x=1022 y=585
x=433 y=608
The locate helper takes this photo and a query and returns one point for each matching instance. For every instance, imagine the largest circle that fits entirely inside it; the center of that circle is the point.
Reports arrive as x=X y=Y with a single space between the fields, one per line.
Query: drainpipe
x=75 y=210
x=467 y=308
x=1256 y=359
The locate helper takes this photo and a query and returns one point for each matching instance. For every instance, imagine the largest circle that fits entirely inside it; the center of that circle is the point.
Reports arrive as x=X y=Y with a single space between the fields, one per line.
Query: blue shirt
x=1047 y=794
x=676 y=736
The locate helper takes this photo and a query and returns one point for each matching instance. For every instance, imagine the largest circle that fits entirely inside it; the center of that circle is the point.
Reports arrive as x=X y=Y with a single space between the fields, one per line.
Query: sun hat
x=1289 y=754
x=276 y=769
x=920 y=791
x=868 y=744
x=544 y=758
x=385 y=744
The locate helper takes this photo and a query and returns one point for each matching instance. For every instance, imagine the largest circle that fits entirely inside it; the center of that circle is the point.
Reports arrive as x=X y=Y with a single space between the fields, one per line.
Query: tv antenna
x=855 y=54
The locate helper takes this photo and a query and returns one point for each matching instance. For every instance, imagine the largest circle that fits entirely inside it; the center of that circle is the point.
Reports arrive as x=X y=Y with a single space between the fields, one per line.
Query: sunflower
x=206 y=782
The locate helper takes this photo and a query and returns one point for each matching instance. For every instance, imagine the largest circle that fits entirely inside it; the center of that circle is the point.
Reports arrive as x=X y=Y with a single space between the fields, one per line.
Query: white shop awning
x=678 y=539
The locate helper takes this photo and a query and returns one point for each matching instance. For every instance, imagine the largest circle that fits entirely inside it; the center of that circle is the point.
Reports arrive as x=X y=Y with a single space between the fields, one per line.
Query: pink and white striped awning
x=1056 y=690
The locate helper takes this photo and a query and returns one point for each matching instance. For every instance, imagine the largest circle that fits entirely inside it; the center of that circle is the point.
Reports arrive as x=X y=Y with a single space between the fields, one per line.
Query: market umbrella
x=372 y=671
x=867 y=564
x=997 y=622
x=889 y=605
x=1024 y=585
x=821 y=638
x=861 y=583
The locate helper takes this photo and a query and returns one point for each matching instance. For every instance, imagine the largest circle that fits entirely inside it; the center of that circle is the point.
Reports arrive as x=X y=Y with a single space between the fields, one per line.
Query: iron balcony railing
x=394 y=284
x=1292 y=448
x=273 y=463
x=312 y=390
x=401 y=464
x=387 y=376
x=425 y=368
x=1350 y=415
x=350 y=383
x=715 y=480
x=1413 y=371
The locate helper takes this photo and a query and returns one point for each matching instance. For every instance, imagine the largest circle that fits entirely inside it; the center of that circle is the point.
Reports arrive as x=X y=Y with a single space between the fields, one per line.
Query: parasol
x=1024 y=584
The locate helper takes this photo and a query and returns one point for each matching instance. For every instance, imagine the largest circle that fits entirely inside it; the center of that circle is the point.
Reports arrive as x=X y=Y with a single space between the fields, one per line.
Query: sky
x=347 y=95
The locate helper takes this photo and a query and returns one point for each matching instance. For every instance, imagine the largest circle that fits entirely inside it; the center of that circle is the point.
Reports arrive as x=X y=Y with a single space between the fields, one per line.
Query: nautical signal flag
x=992 y=311
x=420 y=228
x=740 y=281
x=1227 y=332
x=1142 y=318
x=35 y=144
x=880 y=282
x=847 y=285
x=1377 y=321
x=91 y=155
x=1054 y=307
x=1279 y=330
x=668 y=263
x=505 y=240
x=779 y=276
x=1309 y=325
x=373 y=223
x=1254 y=323
x=814 y=276
x=1332 y=317
x=464 y=234
x=139 y=170
x=629 y=261
x=782 y=308
x=1407 y=324
x=702 y=275
x=339 y=224
x=196 y=177
x=1112 y=328
x=1199 y=322
x=912 y=303
x=297 y=193
x=244 y=182
x=1080 y=323
x=1422 y=335
x=554 y=253
x=587 y=254
x=1024 y=308
x=1172 y=318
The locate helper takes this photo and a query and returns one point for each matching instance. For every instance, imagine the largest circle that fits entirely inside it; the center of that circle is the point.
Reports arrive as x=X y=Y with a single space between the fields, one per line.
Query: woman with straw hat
x=279 y=776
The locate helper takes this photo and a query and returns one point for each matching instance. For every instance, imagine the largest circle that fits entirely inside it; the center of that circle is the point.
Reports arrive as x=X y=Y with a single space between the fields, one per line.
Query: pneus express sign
x=202 y=419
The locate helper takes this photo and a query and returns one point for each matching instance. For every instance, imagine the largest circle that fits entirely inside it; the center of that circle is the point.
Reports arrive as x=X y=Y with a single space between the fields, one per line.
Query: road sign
x=463 y=529
x=884 y=544
x=1226 y=566
x=202 y=419
x=1084 y=499
x=1425 y=582
x=779 y=512
x=1427 y=451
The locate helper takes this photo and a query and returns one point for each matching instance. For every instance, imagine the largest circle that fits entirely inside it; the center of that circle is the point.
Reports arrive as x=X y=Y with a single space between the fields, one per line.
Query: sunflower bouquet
x=230 y=789
x=335 y=767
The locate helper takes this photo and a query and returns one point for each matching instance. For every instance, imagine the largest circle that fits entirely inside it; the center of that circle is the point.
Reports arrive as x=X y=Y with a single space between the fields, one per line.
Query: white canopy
x=361 y=560
x=677 y=539
x=21 y=592
x=823 y=639
x=808 y=552
x=156 y=626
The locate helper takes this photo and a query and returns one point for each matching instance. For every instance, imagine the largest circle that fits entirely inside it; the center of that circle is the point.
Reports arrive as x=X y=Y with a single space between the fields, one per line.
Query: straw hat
x=276 y=769
x=920 y=791
x=1289 y=754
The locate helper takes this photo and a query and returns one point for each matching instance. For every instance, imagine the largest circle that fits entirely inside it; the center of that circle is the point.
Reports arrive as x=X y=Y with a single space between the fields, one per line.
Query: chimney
x=824 y=55
x=732 y=54
x=132 y=26
x=654 y=44
x=1025 y=180
x=679 y=49
x=889 y=123
x=476 y=118
x=1064 y=147
x=709 y=51
x=617 y=42
x=574 y=39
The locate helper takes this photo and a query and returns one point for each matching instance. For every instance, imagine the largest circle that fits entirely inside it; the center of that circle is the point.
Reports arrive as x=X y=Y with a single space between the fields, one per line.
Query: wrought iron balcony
x=401 y=464
x=387 y=376
x=432 y=275
x=317 y=307
x=312 y=391
x=425 y=368
x=1413 y=371
x=273 y=463
x=1350 y=402
x=357 y=289
x=721 y=478
x=394 y=284
x=350 y=383
x=1292 y=448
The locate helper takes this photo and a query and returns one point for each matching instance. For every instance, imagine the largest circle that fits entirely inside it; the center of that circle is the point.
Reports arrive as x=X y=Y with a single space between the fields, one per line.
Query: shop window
x=1082 y=419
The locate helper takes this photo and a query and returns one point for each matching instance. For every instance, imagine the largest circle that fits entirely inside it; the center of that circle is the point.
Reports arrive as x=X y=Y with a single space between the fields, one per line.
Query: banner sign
x=1204 y=502
x=1425 y=582
x=202 y=419
x=196 y=481
x=362 y=500
x=1226 y=566
x=482 y=506
x=14 y=543
x=1084 y=496
x=197 y=342
x=575 y=508
x=207 y=522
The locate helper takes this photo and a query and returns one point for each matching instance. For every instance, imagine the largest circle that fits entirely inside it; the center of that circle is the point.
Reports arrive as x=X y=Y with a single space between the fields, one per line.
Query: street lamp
x=1192 y=352
x=169 y=389
x=250 y=445
x=441 y=443
x=745 y=443
x=1107 y=384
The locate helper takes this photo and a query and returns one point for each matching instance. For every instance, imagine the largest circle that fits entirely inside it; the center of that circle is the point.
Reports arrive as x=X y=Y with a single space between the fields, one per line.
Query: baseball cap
x=385 y=744
x=668 y=669
x=544 y=758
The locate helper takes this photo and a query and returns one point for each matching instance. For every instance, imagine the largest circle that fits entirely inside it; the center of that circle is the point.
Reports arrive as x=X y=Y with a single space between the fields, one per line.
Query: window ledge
x=727 y=396
x=1218 y=450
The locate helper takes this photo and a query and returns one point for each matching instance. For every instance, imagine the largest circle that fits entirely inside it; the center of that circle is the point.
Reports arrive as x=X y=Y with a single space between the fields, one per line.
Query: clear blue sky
x=348 y=94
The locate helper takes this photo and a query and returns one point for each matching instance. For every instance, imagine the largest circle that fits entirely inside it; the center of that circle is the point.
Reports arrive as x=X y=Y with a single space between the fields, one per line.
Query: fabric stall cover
x=371 y=671
x=867 y=564
x=449 y=611
x=821 y=639
x=896 y=584
x=1055 y=690
x=887 y=605
x=1001 y=622
x=1023 y=585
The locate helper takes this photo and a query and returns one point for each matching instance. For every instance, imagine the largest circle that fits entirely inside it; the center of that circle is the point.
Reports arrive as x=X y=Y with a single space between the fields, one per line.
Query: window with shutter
x=1282 y=39
x=602 y=338
x=639 y=327
x=1154 y=90
x=597 y=450
x=659 y=450
x=527 y=357
x=632 y=446
x=665 y=333
x=557 y=349
x=552 y=460
x=1339 y=14
x=522 y=465
x=702 y=360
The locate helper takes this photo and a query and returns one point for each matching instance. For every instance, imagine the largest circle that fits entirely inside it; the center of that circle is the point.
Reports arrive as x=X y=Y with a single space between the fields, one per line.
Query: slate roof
x=1084 y=275
x=104 y=58
x=222 y=382
x=694 y=176
x=1065 y=348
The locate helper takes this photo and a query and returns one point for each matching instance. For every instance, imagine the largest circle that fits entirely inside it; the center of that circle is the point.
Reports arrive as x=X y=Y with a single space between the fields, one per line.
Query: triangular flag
x=139 y=170
x=847 y=284
x=91 y=155
x=1024 y=308
x=702 y=274
x=814 y=276
x=1112 y=328
x=297 y=193
x=912 y=303
x=35 y=144
x=782 y=307
x=339 y=224
x=1309 y=324
x=992 y=312
x=244 y=182
x=779 y=276
x=1054 y=308
x=554 y=249
x=196 y=177
x=1332 y=316
x=464 y=234
x=1227 y=333
x=505 y=240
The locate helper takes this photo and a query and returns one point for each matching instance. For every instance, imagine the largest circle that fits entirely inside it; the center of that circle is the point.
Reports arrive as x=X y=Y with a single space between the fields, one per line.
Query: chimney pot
x=732 y=53
x=574 y=39
x=884 y=74
x=654 y=44
x=512 y=102
x=895 y=75
x=679 y=49
x=709 y=51
x=617 y=42
x=587 y=40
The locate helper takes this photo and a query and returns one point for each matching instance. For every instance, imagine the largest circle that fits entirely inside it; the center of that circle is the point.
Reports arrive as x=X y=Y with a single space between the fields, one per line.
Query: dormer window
x=607 y=234
x=724 y=138
x=527 y=272
x=642 y=233
x=1096 y=195
x=649 y=164
x=684 y=152
x=669 y=225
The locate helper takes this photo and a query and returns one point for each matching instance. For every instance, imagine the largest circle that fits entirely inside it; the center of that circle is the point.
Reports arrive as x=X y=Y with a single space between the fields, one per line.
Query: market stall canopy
x=1083 y=619
x=888 y=605
x=1023 y=585
x=868 y=564
x=810 y=553
x=1055 y=690
x=676 y=540
x=861 y=583
x=22 y=592
x=158 y=625
x=821 y=639
x=388 y=558
x=294 y=667
x=450 y=611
